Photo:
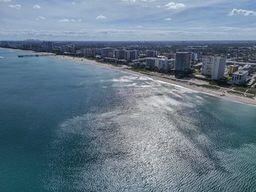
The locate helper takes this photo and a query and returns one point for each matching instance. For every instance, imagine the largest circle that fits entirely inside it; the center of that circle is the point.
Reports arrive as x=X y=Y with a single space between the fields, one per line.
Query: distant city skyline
x=126 y=20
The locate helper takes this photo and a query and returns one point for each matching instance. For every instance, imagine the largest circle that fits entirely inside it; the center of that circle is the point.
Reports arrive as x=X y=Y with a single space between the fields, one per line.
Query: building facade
x=240 y=77
x=151 y=53
x=232 y=69
x=183 y=62
x=207 y=62
x=218 y=69
x=214 y=66
x=131 y=55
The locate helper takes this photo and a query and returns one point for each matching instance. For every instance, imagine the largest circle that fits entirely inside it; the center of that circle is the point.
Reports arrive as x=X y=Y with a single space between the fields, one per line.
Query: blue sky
x=128 y=19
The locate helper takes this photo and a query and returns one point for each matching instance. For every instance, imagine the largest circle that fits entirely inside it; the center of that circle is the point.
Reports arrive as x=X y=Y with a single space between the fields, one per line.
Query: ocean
x=68 y=126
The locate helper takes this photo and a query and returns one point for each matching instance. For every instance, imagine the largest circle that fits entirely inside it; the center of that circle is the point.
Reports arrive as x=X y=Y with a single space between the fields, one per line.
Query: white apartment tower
x=214 y=66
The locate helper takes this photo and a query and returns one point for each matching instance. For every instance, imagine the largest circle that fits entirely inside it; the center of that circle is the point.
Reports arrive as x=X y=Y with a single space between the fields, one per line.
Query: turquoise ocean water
x=67 y=126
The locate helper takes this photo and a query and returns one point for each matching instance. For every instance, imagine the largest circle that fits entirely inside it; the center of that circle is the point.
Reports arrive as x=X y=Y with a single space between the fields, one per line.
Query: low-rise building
x=171 y=63
x=232 y=69
x=150 y=63
x=79 y=53
x=240 y=77
x=162 y=64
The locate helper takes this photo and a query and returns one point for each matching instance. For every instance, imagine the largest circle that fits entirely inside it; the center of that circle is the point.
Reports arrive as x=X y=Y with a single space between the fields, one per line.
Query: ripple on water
x=155 y=144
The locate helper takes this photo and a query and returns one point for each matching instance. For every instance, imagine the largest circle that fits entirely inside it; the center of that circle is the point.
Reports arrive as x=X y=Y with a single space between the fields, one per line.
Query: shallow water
x=66 y=126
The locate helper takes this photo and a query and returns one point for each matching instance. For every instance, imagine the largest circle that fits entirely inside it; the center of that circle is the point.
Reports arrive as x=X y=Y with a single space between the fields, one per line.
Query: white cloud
x=130 y=1
x=173 y=5
x=168 y=19
x=199 y=33
x=40 y=18
x=36 y=7
x=15 y=6
x=101 y=17
x=134 y=1
x=5 y=1
x=66 y=20
x=242 y=12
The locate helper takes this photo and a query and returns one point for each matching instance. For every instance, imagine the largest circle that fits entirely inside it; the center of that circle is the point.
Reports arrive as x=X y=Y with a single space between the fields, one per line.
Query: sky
x=123 y=20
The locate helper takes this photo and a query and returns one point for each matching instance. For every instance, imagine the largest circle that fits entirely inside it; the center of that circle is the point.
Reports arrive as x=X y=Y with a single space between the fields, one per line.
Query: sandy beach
x=157 y=76
x=222 y=93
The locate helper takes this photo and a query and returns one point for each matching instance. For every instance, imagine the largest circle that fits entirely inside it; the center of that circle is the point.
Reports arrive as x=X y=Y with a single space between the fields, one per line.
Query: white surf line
x=108 y=66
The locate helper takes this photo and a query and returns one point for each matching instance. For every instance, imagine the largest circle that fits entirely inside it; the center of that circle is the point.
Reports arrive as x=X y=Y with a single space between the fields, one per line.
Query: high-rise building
x=119 y=54
x=107 y=52
x=219 y=68
x=151 y=53
x=183 y=62
x=134 y=55
x=214 y=66
x=46 y=46
x=207 y=65
x=131 y=55
x=89 y=52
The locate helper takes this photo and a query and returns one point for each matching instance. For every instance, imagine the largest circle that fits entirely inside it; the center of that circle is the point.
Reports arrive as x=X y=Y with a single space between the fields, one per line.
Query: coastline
x=162 y=78
x=159 y=77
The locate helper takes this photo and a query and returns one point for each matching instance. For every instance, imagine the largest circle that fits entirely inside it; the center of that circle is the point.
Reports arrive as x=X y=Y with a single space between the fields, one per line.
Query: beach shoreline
x=160 y=77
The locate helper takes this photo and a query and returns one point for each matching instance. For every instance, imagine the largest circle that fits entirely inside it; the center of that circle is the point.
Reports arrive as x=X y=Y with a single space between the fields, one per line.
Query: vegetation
x=252 y=91
x=240 y=88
